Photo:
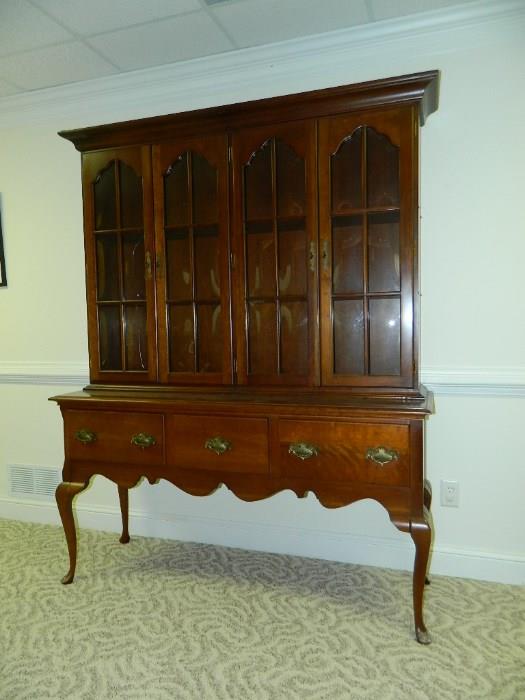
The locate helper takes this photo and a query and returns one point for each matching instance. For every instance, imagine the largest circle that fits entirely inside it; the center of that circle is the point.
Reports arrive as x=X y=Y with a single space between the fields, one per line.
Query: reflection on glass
x=348 y=320
x=133 y=274
x=181 y=338
x=382 y=170
x=294 y=337
x=207 y=276
x=135 y=337
x=258 y=184
x=347 y=254
x=383 y=252
x=346 y=174
x=176 y=195
x=385 y=336
x=292 y=257
x=290 y=176
x=261 y=264
x=276 y=260
x=204 y=179
x=262 y=338
x=108 y=288
x=209 y=326
x=130 y=197
x=109 y=337
x=105 y=197
x=192 y=265
x=178 y=265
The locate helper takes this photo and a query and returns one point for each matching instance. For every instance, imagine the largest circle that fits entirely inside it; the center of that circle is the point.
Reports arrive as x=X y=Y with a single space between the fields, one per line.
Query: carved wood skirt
x=342 y=450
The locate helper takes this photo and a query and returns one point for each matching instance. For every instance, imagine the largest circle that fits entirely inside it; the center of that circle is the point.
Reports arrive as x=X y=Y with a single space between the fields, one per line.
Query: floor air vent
x=27 y=481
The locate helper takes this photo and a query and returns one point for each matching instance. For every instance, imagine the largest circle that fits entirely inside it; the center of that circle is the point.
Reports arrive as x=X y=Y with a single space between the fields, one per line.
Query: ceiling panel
x=386 y=9
x=24 y=27
x=158 y=43
x=252 y=22
x=54 y=65
x=44 y=43
x=97 y=16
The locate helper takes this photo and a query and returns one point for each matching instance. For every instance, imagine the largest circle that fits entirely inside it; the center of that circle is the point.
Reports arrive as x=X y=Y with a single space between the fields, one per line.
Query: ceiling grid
x=50 y=43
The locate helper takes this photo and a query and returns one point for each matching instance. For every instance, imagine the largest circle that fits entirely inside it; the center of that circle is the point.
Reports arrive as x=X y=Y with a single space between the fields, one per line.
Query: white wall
x=473 y=312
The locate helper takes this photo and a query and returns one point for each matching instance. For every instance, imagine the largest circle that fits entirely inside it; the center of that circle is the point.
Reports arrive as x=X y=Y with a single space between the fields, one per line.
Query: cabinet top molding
x=420 y=89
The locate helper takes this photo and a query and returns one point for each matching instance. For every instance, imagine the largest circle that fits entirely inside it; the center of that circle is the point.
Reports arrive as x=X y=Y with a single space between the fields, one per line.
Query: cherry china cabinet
x=252 y=296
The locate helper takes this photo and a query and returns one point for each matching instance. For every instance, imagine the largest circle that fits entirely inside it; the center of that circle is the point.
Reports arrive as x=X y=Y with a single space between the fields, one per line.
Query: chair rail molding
x=46 y=373
x=475 y=381
x=462 y=381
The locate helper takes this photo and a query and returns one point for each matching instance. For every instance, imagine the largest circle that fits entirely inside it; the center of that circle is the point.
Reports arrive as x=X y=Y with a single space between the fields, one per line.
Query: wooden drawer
x=343 y=451
x=218 y=443
x=106 y=436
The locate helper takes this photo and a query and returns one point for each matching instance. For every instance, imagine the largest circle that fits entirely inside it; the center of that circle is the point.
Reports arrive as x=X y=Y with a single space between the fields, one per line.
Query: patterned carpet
x=165 y=620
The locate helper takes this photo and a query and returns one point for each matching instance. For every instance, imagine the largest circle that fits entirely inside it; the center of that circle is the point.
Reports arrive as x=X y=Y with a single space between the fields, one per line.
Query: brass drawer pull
x=143 y=440
x=85 y=436
x=218 y=444
x=381 y=455
x=302 y=450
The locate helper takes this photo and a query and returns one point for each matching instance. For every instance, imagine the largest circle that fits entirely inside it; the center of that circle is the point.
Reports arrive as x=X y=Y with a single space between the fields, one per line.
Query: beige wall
x=473 y=327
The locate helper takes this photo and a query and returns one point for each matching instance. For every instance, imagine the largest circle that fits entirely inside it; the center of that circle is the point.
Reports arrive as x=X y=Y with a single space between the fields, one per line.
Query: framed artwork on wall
x=3 y=274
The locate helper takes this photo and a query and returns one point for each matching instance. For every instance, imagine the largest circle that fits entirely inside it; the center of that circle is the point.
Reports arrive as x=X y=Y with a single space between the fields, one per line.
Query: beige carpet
x=158 y=619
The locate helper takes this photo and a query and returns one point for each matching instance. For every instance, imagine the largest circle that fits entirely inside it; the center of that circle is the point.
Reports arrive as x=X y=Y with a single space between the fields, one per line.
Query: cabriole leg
x=64 y=495
x=421 y=533
x=124 y=509
x=427 y=500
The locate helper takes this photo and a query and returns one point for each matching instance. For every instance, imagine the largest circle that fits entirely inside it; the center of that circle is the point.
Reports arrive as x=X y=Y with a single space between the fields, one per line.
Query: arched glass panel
x=120 y=268
x=130 y=197
x=365 y=246
x=193 y=284
x=105 y=198
x=276 y=260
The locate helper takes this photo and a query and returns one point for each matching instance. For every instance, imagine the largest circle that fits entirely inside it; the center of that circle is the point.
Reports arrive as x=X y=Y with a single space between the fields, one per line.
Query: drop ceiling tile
x=386 y=9
x=87 y=17
x=54 y=65
x=158 y=43
x=24 y=27
x=252 y=22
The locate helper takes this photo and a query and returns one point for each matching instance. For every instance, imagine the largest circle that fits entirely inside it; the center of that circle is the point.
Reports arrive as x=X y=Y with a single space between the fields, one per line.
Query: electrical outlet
x=450 y=493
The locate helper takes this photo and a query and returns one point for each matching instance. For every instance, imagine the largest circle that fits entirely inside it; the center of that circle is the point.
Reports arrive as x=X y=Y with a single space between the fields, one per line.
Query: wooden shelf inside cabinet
x=252 y=293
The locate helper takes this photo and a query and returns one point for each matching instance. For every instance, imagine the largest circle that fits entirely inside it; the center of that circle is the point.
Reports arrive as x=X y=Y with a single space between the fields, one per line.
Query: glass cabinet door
x=191 y=196
x=119 y=246
x=275 y=255
x=367 y=251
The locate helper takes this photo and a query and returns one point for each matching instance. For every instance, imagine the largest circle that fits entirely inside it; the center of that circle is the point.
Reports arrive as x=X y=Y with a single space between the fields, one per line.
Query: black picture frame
x=3 y=272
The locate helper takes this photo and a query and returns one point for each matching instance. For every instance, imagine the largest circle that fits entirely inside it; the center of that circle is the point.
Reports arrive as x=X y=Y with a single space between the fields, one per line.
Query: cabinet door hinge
x=235 y=365
x=230 y=157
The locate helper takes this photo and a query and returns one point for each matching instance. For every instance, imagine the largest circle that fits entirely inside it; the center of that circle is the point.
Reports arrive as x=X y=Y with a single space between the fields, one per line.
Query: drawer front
x=106 y=436
x=218 y=443
x=344 y=452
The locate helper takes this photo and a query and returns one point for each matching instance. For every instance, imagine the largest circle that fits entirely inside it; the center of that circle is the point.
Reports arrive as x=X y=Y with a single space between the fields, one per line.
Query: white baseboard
x=320 y=544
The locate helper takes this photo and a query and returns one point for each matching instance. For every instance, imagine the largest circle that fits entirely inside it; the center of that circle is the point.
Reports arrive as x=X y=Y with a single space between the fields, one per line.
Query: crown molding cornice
x=249 y=73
